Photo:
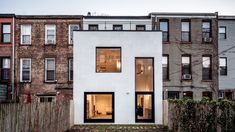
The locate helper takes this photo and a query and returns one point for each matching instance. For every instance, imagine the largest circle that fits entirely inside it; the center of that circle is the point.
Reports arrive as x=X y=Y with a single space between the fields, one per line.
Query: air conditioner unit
x=50 y=41
x=187 y=77
x=207 y=40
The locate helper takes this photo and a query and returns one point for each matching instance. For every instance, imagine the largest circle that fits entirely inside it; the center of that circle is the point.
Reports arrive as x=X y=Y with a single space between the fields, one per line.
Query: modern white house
x=117 y=76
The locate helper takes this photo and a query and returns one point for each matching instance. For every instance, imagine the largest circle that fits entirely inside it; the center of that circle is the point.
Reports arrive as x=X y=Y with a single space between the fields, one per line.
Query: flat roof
x=7 y=15
x=117 y=17
x=226 y=18
x=49 y=16
x=183 y=14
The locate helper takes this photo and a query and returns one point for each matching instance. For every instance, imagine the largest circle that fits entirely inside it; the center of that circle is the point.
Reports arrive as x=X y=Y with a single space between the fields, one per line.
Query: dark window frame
x=45 y=67
x=225 y=34
x=188 y=96
x=173 y=92
x=108 y=48
x=4 y=70
x=165 y=32
x=225 y=67
x=2 y=34
x=208 y=94
x=117 y=26
x=206 y=32
x=210 y=69
x=140 y=26
x=190 y=65
x=168 y=75
x=70 y=78
x=188 y=32
x=90 y=27
x=99 y=120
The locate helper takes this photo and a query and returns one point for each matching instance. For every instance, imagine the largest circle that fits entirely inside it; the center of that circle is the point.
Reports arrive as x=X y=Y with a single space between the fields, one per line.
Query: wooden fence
x=34 y=117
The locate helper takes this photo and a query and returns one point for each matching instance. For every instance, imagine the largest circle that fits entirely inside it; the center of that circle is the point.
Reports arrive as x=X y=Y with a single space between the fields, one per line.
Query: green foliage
x=202 y=116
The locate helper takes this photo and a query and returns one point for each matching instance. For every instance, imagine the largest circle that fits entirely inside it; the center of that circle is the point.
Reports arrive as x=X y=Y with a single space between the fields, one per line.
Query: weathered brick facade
x=196 y=48
x=61 y=88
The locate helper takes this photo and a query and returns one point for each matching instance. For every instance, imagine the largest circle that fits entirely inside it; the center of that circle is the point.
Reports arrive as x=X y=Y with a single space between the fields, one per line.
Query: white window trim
x=69 y=32
x=70 y=68
x=21 y=35
x=21 y=69
x=46 y=70
x=46 y=27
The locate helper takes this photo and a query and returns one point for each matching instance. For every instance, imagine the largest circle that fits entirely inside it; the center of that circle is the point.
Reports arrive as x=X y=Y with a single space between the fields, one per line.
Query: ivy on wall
x=188 y=115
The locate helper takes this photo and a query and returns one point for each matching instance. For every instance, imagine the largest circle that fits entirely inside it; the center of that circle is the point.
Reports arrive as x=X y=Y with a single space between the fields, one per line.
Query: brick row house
x=190 y=55
x=6 y=44
x=44 y=57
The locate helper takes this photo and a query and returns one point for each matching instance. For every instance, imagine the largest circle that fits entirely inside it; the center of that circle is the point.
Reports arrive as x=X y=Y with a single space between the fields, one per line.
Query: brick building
x=6 y=44
x=190 y=54
x=44 y=56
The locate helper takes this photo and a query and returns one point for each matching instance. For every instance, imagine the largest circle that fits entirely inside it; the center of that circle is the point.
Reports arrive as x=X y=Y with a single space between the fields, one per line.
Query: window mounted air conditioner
x=187 y=77
x=207 y=40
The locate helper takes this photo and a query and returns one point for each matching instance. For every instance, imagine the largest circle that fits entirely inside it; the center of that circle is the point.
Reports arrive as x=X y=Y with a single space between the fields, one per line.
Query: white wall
x=128 y=24
x=133 y=44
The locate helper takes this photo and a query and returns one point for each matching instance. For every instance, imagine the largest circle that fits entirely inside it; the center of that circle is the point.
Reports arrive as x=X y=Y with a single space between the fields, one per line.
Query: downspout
x=13 y=62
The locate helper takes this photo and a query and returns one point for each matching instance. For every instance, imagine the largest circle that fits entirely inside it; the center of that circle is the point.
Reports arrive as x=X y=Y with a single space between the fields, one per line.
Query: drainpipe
x=13 y=61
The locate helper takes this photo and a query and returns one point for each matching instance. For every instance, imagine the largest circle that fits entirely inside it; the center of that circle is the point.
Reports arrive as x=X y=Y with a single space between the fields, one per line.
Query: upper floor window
x=223 y=65
x=117 y=27
x=50 y=34
x=108 y=59
x=206 y=31
x=71 y=29
x=50 y=69
x=25 y=70
x=206 y=67
x=5 y=68
x=185 y=31
x=6 y=33
x=222 y=32
x=93 y=27
x=164 y=27
x=186 y=67
x=25 y=34
x=165 y=67
x=140 y=27
x=70 y=69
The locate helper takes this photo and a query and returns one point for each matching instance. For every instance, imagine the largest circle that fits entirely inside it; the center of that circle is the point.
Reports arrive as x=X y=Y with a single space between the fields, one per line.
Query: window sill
x=70 y=82
x=50 y=82
x=5 y=42
x=25 y=81
x=186 y=80
x=25 y=44
x=207 y=43
x=207 y=80
x=166 y=42
x=185 y=42
x=50 y=44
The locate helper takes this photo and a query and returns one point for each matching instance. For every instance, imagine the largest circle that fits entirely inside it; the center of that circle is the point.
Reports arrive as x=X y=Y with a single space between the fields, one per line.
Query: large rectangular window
x=99 y=107
x=164 y=27
x=6 y=33
x=25 y=70
x=173 y=94
x=206 y=67
x=222 y=32
x=117 y=27
x=93 y=27
x=223 y=65
x=186 y=67
x=70 y=69
x=108 y=59
x=25 y=34
x=50 y=69
x=206 y=31
x=72 y=28
x=185 y=31
x=5 y=68
x=165 y=67
x=50 y=34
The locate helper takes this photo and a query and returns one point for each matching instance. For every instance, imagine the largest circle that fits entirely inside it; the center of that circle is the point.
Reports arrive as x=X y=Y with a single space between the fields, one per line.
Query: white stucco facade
x=133 y=44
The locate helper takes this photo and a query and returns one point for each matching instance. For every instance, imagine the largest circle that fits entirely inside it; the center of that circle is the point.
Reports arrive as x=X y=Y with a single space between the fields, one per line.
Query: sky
x=114 y=7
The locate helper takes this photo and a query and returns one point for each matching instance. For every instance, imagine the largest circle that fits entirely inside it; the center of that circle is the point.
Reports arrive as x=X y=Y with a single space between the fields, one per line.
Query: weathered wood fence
x=34 y=117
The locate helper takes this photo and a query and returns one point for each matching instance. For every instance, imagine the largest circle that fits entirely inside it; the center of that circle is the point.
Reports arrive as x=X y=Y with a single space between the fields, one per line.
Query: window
x=206 y=31
x=6 y=33
x=186 y=67
x=222 y=32
x=164 y=27
x=50 y=69
x=71 y=29
x=206 y=68
x=173 y=94
x=25 y=70
x=165 y=67
x=93 y=27
x=223 y=65
x=99 y=107
x=185 y=31
x=46 y=98
x=25 y=34
x=50 y=34
x=70 y=69
x=140 y=27
x=188 y=94
x=108 y=59
x=5 y=68
x=117 y=27
x=207 y=94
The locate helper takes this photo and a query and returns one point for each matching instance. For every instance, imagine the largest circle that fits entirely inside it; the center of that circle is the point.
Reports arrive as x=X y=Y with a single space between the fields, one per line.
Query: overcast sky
x=114 y=7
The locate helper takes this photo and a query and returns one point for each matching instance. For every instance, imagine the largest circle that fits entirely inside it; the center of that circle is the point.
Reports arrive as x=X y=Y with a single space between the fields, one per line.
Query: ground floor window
x=188 y=94
x=99 y=107
x=173 y=94
x=46 y=98
x=207 y=94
